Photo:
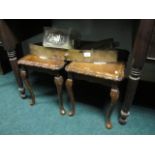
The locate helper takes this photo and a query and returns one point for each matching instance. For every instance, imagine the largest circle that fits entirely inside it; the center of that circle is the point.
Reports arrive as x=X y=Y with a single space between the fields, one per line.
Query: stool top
x=41 y=62
x=111 y=71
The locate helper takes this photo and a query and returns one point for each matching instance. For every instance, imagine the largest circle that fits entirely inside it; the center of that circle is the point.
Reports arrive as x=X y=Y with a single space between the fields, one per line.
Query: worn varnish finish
x=74 y=55
x=108 y=74
x=50 y=66
x=36 y=61
x=112 y=71
x=48 y=53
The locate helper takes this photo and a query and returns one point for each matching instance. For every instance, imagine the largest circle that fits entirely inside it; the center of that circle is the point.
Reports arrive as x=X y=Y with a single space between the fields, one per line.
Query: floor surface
x=18 y=117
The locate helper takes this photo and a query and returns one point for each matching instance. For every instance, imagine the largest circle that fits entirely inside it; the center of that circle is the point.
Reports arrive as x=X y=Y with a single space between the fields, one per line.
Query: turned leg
x=24 y=77
x=142 y=44
x=133 y=80
x=69 y=85
x=58 y=80
x=114 y=94
x=9 y=43
x=13 y=62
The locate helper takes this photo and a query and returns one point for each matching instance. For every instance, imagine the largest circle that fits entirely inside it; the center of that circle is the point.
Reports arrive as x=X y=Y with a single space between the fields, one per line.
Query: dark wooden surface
x=52 y=67
x=151 y=48
x=9 y=43
x=140 y=49
x=4 y=61
x=88 y=72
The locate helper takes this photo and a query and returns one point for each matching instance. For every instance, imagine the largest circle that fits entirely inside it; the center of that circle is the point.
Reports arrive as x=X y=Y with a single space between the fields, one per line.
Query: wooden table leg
x=9 y=43
x=114 y=94
x=15 y=68
x=58 y=80
x=133 y=80
x=24 y=76
x=69 y=85
x=141 y=43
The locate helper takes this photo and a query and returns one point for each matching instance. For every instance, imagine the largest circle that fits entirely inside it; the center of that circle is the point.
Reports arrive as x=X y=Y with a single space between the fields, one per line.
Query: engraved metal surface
x=57 y=38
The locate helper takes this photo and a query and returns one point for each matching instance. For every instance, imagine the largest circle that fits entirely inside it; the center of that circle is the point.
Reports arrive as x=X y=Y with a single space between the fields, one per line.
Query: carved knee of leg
x=69 y=83
x=114 y=94
x=58 y=80
x=23 y=74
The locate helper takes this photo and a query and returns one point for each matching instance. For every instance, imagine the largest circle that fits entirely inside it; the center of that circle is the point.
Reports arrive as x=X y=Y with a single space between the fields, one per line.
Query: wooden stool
x=108 y=74
x=50 y=66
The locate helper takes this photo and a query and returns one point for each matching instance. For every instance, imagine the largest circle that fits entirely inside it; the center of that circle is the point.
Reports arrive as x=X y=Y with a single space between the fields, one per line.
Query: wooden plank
x=74 y=55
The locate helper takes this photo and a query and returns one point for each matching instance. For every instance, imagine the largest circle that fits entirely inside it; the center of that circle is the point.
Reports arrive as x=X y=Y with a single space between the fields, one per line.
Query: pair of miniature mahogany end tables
x=99 y=66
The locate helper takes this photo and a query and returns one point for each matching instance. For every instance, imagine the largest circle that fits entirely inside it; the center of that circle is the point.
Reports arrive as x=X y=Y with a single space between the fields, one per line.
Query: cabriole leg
x=58 y=80
x=114 y=94
x=24 y=77
x=69 y=85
